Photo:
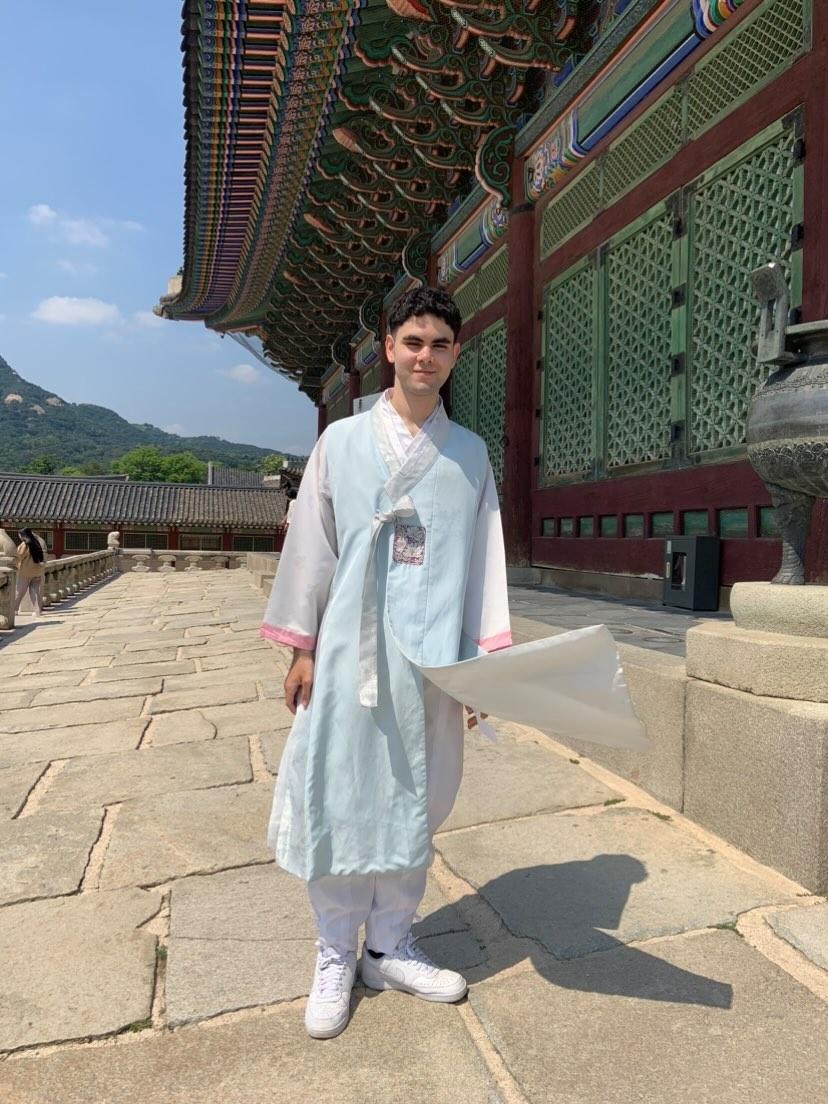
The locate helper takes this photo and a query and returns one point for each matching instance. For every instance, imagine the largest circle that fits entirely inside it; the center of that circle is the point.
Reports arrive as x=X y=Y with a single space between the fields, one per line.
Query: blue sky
x=91 y=215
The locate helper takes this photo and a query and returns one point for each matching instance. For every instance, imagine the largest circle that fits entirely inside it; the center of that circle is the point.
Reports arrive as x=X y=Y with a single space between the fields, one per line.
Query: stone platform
x=152 y=951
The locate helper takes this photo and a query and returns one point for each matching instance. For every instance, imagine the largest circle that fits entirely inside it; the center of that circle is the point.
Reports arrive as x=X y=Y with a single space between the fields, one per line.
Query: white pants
x=387 y=903
x=34 y=587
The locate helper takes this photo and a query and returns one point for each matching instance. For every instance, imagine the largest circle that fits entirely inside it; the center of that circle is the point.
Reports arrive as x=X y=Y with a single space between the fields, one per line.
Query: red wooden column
x=227 y=540
x=815 y=244
x=58 y=540
x=172 y=538
x=521 y=353
x=322 y=419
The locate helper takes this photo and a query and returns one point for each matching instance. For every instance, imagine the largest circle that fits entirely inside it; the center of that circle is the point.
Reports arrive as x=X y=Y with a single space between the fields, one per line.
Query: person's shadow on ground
x=565 y=911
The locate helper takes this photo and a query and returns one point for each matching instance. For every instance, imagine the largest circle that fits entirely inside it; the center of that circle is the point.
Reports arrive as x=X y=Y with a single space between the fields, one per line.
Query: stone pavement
x=642 y=622
x=151 y=950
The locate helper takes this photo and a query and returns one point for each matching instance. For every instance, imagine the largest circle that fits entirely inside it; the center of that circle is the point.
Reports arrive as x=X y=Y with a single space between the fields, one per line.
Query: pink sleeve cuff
x=495 y=643
x=285 y=636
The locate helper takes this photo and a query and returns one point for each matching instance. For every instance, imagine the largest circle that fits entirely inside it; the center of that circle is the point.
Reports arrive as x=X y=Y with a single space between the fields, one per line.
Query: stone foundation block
x=657 y=686
x=757 y=775
x=775 y=665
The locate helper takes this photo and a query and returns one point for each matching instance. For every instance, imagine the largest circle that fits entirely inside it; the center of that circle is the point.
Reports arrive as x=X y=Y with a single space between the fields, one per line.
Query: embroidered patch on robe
x=409 y=543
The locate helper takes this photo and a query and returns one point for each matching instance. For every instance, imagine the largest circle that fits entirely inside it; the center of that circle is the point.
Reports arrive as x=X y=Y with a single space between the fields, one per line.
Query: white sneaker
x=410 y=970
x=329 y=1004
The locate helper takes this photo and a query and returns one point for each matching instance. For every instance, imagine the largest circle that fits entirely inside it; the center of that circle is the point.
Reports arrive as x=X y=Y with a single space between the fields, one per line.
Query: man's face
x=423 y=352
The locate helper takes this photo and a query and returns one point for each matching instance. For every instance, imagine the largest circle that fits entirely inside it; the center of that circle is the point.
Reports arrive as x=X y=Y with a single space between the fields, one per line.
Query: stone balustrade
x=166 y=561
x=68 y=575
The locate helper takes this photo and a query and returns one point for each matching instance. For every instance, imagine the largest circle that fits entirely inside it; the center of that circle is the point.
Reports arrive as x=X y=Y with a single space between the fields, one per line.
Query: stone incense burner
x=787 y=423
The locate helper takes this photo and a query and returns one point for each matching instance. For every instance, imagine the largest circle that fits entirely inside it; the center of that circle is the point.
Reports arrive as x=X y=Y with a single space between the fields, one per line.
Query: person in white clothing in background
x=394 y=557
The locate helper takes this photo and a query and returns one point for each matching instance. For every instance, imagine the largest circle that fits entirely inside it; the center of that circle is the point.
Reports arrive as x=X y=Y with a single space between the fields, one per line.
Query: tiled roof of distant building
x=50 y=498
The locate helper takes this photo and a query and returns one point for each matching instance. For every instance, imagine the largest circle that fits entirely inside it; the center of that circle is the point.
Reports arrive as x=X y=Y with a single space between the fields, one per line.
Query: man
x=394 y=557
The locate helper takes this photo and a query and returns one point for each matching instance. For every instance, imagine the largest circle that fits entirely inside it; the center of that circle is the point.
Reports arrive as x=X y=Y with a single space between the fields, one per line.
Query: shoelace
x=408 y=949
x=330 y=975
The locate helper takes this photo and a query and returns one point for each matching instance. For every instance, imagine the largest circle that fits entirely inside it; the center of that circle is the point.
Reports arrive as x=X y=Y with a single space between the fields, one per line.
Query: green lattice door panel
x=478 y=391
x=569 y=356
x=464 y=387
x=638 y=273
x=491 y=394
x=742 y=214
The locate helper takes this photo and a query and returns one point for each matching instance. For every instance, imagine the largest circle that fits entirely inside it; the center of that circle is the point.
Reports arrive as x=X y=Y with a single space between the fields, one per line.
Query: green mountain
x=34 y=423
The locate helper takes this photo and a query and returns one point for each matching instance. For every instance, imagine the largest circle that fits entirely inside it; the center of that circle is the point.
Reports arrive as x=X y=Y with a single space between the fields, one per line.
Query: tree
x=41 y=465
x=273 y=464
x=183 y=467
x=145 y=463
x=72 y=471
x=148 y=464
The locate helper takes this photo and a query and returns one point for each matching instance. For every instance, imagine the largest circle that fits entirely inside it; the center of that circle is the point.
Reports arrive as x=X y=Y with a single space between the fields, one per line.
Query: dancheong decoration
x=326 y=141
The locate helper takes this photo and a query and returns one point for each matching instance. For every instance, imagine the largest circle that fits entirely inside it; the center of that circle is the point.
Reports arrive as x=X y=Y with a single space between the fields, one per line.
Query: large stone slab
x=394 y=1051
x=227 y=692
x=81 y=659
x=263 y=659
x=54 y=716
x=443 y=934
x=144 y=657
x=196 y=832
x=102 y=691
x=210 y=680
x=15 y=786
x=238 y=939
x=250 y=719
x=16 y=699
x=273 y=744
x=578 y=883
x=179 y=728
x=687 y=1021
x=106 y=779
x=46 y=855
x=75 y=967
x=48 y=679
x=757 y=774
x=130 y=671
x=45 y=642
x=66 y=743
x=806 y=929
x=161 y=642
x=658 y=686
x=223 y=646
x=517 y=777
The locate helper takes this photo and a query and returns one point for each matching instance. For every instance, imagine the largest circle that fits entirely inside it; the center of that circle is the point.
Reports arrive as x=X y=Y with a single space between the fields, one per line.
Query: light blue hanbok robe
x=385 y=562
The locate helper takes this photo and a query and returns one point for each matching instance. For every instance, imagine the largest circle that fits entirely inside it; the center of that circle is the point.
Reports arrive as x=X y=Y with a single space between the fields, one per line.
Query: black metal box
x=691 y=572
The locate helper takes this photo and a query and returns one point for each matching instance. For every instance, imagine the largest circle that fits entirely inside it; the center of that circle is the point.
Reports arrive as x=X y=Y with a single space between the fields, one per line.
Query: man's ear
x=389 y=347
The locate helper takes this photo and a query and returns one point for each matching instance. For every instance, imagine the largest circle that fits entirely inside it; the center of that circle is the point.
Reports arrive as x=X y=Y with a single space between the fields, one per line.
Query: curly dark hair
x=425 y=300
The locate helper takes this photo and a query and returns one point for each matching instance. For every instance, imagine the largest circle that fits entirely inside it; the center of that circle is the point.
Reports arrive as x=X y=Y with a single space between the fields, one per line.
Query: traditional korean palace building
x=75 y=515
x=593 y=180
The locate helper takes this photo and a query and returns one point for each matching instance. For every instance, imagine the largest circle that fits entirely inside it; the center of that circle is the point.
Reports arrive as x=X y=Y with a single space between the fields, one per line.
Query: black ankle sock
x=374 y=954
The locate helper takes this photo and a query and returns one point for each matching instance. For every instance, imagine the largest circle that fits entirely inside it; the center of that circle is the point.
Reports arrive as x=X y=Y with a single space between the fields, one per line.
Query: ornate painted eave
x=326 y=141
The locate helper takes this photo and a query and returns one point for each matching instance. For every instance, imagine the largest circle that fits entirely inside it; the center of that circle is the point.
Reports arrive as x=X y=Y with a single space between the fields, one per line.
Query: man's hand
x=299 y=680
x=472 y=720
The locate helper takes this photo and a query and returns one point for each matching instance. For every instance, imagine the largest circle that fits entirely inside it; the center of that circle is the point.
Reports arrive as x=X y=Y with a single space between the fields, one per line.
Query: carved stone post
x=8 y=580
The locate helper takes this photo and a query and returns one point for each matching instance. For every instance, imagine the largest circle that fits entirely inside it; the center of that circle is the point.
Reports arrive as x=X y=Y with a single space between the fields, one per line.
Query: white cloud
x=40 y=214
x=147 y=320
x=175 y=428
x=62 y=310
x=242 y=373
x=76 y=268
x=77 y=230
x=83 y=231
